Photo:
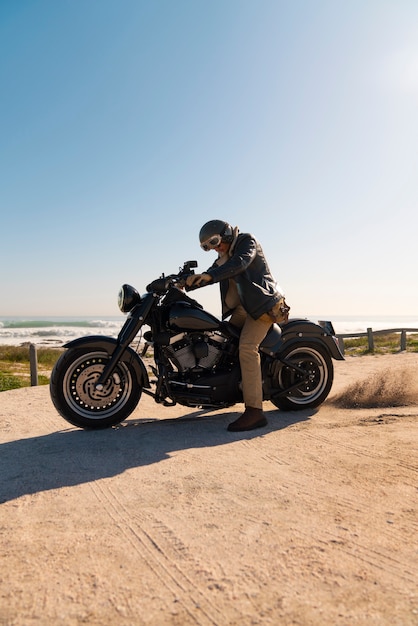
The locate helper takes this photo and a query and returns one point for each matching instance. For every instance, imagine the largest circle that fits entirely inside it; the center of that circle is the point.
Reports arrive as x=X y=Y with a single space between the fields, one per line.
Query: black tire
x=75 y=397
x=311 y=392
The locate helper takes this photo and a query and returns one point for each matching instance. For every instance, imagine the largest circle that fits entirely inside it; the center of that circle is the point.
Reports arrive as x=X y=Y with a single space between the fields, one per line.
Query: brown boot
x=250 y=419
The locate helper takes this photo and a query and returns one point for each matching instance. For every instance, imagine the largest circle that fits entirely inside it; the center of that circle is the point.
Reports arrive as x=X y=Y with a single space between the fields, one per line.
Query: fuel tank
x=183 y=316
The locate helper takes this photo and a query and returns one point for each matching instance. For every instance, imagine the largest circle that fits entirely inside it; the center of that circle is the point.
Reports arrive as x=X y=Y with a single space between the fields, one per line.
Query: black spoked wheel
x=308 y=377
x=74 y=394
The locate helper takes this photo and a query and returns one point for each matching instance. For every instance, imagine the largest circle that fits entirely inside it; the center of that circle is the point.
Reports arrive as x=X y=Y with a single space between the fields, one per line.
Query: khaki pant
x=252 y=334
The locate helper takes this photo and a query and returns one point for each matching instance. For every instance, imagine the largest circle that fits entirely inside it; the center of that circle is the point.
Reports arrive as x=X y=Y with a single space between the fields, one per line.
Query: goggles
x=211 y=243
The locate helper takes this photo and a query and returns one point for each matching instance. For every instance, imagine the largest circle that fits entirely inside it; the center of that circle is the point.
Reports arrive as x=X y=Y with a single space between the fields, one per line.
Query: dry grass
x=389 y=388
x=383 y=344
x=15 y=366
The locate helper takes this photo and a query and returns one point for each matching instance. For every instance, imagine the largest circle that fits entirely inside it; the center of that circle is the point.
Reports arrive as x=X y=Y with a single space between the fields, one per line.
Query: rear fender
x=297 y=332
x=108 y=344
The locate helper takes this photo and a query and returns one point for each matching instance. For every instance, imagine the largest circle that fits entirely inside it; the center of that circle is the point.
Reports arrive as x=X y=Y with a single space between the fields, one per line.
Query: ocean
x=56 y=331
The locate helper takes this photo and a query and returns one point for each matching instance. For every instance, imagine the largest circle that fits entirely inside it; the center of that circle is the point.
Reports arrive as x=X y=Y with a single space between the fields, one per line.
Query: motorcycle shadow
x=277 y=420
x=74 y=457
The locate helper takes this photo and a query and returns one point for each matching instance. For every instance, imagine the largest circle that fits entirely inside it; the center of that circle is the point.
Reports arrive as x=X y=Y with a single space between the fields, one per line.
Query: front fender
x=108 y=344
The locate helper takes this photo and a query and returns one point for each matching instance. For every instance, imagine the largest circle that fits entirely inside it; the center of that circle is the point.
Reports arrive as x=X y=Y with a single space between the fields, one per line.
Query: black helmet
x=214 y=232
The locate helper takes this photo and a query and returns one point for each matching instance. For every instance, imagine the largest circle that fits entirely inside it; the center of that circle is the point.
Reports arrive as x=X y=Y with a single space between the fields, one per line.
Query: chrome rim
x=79 y=386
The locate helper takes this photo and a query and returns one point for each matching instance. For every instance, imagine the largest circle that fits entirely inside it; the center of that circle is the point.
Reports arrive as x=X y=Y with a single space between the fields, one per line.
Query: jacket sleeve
x=244 y=253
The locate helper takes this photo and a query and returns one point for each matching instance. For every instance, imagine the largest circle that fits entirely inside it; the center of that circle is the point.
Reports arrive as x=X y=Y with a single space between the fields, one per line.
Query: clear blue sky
x=127 y=124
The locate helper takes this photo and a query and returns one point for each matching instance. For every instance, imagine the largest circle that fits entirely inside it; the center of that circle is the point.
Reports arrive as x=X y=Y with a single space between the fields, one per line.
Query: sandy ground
x=167 y=521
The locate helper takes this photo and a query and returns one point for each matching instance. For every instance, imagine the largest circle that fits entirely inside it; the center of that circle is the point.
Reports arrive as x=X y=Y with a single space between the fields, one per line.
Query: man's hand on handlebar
x=198 y=280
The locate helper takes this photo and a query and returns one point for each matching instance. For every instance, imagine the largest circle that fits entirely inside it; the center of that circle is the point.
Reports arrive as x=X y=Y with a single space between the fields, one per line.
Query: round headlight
x=128 y=297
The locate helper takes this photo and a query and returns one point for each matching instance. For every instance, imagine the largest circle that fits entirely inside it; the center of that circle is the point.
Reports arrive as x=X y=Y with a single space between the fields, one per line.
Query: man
x=249 y=294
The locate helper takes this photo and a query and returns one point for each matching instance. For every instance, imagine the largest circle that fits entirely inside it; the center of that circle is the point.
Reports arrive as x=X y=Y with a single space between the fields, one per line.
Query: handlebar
x=160 y=285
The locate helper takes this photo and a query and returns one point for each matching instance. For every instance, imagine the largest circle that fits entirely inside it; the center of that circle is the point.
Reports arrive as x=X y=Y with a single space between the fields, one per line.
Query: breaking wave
x=55 y=331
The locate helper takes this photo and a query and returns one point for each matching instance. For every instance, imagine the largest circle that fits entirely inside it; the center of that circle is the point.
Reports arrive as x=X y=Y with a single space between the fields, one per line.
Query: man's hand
x=198 y=280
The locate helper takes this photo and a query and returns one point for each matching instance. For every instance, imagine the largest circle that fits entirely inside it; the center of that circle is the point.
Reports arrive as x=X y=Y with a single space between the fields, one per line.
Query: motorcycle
x=98 y=381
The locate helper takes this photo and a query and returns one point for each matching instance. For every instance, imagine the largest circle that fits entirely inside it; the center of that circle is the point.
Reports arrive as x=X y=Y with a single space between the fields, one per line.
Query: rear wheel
x=76 y=398
x=308 y=375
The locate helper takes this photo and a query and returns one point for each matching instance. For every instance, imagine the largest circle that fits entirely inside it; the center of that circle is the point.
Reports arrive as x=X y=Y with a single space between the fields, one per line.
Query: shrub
x=8 y=382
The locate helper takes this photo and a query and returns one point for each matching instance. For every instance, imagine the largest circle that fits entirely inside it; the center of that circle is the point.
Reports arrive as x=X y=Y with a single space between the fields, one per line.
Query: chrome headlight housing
x=128 y=297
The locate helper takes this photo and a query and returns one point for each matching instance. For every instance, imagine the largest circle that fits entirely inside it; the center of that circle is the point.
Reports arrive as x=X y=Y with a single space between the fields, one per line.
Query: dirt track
x=311 y=521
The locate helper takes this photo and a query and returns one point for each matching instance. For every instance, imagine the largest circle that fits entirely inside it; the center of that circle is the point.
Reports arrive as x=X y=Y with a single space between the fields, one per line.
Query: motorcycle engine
x=196 y=351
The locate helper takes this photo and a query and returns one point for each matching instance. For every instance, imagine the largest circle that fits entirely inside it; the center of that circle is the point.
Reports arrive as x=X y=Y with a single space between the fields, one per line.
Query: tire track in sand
x=162 y=553
x=323 y=496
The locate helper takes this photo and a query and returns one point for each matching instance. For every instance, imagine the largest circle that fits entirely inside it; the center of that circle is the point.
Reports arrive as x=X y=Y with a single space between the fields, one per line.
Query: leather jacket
x=248 y=267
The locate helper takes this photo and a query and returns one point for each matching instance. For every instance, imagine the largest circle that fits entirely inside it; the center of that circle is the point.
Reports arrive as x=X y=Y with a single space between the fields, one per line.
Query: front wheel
x=305 y=380
x=74 y=394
